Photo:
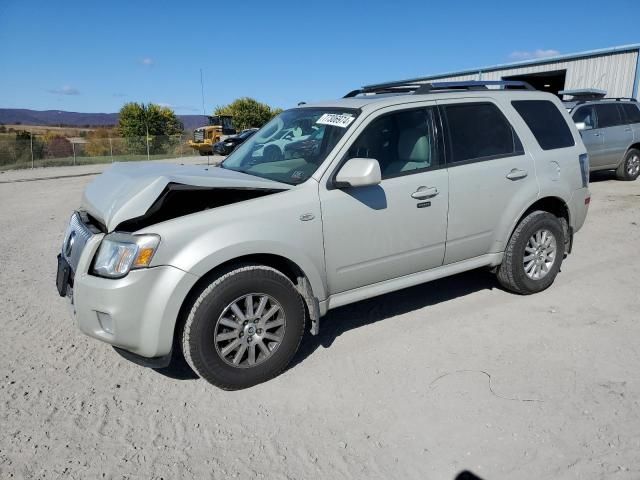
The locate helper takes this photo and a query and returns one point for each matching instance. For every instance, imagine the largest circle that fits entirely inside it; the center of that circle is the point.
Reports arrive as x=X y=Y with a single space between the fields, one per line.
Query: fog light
x=106 y=323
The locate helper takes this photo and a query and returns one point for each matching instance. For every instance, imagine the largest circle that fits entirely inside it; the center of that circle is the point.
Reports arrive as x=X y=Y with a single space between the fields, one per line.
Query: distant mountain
x=55 y=118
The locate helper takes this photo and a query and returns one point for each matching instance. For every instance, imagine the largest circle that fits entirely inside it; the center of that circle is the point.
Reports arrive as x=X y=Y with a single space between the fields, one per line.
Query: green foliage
x=247 y=113
x=138 y=119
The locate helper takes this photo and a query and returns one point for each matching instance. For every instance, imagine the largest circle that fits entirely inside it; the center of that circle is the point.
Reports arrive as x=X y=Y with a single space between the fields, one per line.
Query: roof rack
x=420 y=87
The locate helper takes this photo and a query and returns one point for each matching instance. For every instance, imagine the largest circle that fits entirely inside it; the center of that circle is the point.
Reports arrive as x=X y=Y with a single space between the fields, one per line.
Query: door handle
x=517 y=174
x=422 y=193
x=628 y=130
x=595 y=134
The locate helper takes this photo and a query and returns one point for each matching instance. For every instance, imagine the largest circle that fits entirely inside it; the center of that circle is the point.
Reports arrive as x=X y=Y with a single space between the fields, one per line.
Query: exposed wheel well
x=635 y=145
x=282 y=264
x=555 y=206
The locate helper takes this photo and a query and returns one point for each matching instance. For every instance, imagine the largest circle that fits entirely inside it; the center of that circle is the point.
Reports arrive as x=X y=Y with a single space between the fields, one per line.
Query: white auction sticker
x=335 y=119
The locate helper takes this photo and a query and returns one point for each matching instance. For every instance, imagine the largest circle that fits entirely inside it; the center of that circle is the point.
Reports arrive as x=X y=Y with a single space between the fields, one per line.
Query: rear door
x=592 y=136
x=617 y=135
x=488 y=169
x=632 y=115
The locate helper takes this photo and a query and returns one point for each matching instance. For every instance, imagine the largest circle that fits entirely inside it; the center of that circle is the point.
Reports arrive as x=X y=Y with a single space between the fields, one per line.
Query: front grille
x=75 y=239
x=198 y=136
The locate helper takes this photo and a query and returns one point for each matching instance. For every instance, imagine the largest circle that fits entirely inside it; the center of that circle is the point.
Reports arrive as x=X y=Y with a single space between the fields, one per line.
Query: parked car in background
x=228 y=145
x=610 y=129
x=230 y=265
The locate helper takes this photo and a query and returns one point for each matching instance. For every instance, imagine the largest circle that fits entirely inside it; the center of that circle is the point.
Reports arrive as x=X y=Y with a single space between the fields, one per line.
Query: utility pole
x=111 y=149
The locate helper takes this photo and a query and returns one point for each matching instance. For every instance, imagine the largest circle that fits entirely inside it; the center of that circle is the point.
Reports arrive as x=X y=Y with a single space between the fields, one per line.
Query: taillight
x=584 y=169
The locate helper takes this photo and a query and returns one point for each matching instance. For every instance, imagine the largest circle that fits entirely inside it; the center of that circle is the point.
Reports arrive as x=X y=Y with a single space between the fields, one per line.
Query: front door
x=397 y=228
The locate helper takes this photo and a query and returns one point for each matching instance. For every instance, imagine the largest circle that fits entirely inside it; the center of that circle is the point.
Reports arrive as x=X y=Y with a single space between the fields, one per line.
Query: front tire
x=533 y=255
x=244 y=328
x=629 y=169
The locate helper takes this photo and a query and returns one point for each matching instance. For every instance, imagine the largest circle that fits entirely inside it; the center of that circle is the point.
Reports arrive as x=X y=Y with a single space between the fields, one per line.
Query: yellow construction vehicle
x=204 y=138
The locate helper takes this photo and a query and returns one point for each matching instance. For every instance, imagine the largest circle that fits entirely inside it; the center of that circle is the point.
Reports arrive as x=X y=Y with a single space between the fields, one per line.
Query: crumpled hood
x=127 y=190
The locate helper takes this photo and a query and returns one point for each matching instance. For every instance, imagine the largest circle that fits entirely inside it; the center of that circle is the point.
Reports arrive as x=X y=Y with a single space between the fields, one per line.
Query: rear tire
x=533 y=255
x=244 y=328
x=629 y=169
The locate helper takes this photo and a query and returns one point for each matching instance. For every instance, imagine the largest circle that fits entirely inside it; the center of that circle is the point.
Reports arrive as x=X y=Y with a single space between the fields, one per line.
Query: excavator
x=220 y=126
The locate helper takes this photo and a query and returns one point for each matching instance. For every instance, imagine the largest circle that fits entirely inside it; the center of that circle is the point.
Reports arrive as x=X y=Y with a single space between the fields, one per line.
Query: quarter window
x=479 y=130
x=608 y=115
x=402 y=142
x=545 y=122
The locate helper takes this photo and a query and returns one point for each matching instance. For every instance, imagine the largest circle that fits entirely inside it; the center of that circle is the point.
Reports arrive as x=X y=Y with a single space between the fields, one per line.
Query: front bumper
x=136 y=313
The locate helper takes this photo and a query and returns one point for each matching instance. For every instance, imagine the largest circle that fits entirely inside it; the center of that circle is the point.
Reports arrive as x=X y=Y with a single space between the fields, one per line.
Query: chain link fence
x=26 y=150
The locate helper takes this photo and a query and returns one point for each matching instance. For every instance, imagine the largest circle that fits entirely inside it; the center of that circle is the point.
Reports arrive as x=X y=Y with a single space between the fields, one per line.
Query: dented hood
x=127 y=190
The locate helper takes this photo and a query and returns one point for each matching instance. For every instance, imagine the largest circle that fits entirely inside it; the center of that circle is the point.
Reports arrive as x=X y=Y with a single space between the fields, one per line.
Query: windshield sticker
x=335 y=119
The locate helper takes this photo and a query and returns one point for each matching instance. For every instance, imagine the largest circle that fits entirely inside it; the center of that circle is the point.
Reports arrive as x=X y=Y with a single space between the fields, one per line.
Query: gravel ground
x=424 y=383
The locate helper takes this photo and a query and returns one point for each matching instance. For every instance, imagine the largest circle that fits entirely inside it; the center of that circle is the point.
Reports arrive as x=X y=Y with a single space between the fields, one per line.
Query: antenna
x=203 y=110
x=202 y=93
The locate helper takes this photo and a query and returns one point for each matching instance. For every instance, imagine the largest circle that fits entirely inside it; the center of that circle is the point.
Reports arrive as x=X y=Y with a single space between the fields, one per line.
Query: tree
x=100 y=143
x=136 y=120
x=247 y=112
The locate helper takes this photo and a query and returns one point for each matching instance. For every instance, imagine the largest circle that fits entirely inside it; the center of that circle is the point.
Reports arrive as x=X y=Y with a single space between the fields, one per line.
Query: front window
x=292 y=146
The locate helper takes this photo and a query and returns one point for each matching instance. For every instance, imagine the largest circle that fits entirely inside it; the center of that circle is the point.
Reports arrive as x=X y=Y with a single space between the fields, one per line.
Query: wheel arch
x=284 y=265
x=552 y=204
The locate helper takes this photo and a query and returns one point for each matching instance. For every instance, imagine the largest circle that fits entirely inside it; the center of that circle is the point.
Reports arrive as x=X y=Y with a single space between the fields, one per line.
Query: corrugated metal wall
x=614 y=73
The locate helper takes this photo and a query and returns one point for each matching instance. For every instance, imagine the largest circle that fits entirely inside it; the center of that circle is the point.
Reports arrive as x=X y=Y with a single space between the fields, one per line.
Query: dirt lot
x=425 y=383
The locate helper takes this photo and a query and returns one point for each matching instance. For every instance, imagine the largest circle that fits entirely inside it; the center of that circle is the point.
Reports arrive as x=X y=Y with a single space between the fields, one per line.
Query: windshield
x=293 y=145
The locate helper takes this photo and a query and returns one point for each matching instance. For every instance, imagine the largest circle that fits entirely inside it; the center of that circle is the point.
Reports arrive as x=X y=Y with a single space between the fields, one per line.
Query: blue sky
x=91 y=56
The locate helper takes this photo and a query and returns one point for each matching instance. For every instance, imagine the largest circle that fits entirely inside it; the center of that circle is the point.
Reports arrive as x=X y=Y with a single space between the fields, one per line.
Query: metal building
x=616 y=70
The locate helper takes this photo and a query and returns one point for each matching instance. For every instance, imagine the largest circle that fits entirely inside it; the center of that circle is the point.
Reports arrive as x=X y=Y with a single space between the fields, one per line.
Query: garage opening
x=551 y=82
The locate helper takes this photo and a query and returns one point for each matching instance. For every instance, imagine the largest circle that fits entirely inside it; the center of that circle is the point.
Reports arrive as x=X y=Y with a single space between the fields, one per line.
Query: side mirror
x=581 y=126
x=359 y=172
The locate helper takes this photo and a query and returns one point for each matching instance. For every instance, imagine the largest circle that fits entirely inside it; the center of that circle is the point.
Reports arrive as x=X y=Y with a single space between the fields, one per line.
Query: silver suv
x=610 y=129
x=392 y=186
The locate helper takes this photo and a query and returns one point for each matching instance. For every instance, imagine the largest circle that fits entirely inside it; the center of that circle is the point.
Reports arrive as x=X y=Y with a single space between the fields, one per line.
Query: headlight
x=120 y=252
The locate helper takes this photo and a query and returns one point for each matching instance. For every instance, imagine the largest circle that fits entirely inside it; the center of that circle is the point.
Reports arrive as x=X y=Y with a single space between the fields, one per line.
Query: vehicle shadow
x=366 y=312
x=370 y=311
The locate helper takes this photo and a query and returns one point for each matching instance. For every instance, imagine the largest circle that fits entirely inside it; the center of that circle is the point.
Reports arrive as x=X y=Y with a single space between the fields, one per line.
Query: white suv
x=408 y=182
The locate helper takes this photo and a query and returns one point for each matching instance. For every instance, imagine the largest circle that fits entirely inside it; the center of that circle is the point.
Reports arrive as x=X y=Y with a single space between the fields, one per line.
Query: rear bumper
x=578 y=208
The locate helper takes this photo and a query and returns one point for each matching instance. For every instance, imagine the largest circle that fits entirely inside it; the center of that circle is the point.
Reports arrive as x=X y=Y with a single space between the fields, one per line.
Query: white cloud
x=66 y=90
x=188 y=108
x=147 y=61
x=539 y=53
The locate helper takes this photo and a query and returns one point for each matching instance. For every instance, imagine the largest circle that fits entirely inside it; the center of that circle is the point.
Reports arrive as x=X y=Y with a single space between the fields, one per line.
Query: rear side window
x=545 y=122
x=608 y=115
x=631 y=111
x=479 y=131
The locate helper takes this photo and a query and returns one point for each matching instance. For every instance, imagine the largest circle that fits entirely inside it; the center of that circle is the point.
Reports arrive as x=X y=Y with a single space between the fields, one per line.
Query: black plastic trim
x=155 y=362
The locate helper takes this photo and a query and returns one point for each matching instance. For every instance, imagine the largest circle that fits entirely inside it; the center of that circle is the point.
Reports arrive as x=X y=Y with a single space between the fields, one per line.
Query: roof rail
x=418 y=87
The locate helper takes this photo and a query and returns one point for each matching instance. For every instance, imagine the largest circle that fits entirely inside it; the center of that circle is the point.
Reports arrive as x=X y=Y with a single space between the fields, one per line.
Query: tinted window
x=585 y=115
x=608 y=115
x=401 y=142
x=631 y=111
x=478 y=130
x=545 y=122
